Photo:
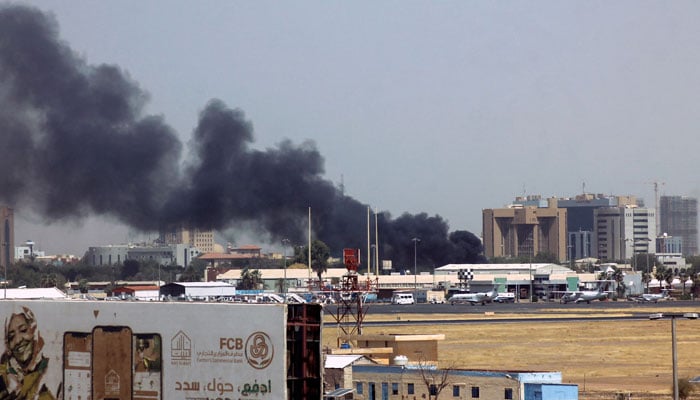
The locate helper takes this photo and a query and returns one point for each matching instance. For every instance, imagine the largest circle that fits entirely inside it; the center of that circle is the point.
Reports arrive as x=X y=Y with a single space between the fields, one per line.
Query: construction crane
x=656 y=204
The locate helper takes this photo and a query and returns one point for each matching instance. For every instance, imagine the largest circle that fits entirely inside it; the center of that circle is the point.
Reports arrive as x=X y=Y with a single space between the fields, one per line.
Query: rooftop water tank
x=400 y=360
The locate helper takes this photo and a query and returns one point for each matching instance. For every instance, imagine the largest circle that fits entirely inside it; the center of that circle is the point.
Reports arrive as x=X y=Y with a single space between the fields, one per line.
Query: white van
x=402 y=298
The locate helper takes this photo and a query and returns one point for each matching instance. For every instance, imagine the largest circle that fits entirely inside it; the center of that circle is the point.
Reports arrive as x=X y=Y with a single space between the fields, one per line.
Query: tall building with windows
x=679 y=219
x=622 y=232
x=202 y=239
x=7 y=236
x=580 y=221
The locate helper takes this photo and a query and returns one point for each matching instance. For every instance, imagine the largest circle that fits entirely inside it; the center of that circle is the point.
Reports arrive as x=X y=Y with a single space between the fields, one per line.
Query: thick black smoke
x=74 y=141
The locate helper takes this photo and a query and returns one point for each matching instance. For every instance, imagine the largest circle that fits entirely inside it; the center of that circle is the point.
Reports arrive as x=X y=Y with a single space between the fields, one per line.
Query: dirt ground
x=601 y=357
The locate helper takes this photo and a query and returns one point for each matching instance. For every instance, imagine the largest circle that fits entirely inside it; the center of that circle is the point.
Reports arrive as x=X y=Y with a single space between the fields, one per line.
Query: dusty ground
x=601 y=357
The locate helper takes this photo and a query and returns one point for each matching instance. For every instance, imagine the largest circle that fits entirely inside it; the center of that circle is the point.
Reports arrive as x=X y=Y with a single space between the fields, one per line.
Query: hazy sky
x=443 y=107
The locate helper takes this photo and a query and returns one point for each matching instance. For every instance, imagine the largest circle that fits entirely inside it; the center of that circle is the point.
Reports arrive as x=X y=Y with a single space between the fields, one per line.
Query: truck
x=505 y=297
x=73 y=349
x=402 y=298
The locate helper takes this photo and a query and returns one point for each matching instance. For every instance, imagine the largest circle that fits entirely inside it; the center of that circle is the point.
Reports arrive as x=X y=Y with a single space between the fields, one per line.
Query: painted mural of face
x=20 y=338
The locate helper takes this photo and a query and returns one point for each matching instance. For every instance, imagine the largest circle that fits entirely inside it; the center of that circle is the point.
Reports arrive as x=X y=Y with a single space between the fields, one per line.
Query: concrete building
x=177 y=254
x=393 y=382
x=337 y=370
x=202 y=239
x=580 y=221
x=407 y=367
x=138 y=292
x=7 y=235
x=519 y=231
x=679 y=218
x=621 y=232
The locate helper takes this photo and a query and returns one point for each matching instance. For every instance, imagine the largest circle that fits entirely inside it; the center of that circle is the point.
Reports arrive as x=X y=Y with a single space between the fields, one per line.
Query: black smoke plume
x=74 y=141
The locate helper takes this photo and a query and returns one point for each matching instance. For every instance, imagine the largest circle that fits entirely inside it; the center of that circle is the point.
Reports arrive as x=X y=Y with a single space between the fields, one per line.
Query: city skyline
x=444 y=108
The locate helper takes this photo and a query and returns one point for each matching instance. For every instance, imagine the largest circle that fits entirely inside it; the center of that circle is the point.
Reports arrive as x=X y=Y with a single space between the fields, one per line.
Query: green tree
x=190 y=274
x=49 y=280
x=250 y=280
x=320 y=252
x=664 y=273
x=618 y=277
x=131 y=268
x=646 y=278
x=693 y=263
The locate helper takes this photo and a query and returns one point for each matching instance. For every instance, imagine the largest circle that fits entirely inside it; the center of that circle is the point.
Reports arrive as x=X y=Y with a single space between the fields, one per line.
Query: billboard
x=85 y=350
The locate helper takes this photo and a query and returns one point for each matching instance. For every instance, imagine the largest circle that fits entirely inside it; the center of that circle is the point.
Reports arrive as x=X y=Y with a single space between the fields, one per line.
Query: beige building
x=203 y=240
x=401 y=367
x=383 y=348
x=525 y=231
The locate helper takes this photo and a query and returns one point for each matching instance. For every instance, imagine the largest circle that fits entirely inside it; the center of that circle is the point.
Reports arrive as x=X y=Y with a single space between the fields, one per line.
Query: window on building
x=455 y=391
x=410 y=389
x=432 y=389
x=508 y=395
x=358 y=389
x=394 y=388
x=475 y=392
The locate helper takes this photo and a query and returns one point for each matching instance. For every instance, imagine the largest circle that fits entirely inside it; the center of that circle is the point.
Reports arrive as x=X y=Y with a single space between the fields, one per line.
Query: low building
x=337 y=372
x=32 y=294
x=393 y=382
x=197 y=290
x=383 y=348
x=138 y=292
x=175 y=254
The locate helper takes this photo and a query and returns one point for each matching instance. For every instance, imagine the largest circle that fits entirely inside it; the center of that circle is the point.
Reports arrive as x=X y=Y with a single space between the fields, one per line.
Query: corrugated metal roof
x=340 y=361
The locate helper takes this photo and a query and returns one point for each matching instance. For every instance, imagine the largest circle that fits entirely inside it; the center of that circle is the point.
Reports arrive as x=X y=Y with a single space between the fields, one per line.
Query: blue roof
x=338 y=392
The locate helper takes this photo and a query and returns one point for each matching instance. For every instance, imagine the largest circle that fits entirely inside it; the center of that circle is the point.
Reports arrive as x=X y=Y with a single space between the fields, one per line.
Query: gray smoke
x=74 y=141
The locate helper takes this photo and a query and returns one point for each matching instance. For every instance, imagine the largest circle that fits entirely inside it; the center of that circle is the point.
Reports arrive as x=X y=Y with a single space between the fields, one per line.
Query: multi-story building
x=525 y=231
x=580 y=225
x=621 y=232
x=200 y=238
x=679 y=219
x=176 y=254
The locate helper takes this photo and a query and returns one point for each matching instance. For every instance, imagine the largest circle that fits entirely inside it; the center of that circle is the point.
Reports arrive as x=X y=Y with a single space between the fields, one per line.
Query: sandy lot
x=602 y=357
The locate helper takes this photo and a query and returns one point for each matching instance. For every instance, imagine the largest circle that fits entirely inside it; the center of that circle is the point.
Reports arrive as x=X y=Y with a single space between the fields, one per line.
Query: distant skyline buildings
x=202 y=239
x=606 y=227
x=679 y=219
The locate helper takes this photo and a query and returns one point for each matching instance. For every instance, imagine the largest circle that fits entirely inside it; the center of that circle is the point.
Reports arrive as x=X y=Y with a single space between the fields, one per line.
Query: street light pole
x=415 y=263
x=285 y=242
x=7 y=260
x=674 y=350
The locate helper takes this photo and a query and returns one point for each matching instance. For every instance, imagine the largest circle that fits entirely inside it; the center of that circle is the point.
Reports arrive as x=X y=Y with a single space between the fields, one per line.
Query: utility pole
x=415 y=257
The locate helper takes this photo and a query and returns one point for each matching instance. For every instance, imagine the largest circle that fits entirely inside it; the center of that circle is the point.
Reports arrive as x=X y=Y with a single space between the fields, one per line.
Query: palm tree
x=646 y=278
x=250 y=280
x=320 y=252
